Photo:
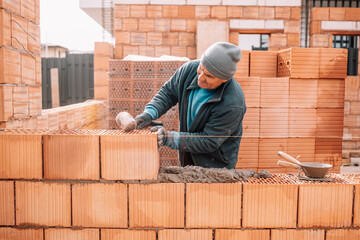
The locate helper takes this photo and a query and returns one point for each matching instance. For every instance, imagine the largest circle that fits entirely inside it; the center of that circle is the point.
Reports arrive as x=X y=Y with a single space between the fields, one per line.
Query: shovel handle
x=287 y=164
x=288 y=157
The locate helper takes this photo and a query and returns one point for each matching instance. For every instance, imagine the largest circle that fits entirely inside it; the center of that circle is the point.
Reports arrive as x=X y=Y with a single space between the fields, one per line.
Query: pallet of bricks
x=132 y=84
x=295 y=100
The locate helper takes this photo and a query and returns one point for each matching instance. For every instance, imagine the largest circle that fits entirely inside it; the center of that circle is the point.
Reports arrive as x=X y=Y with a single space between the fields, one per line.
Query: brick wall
x=103 y=52
x=79 y=200
x=158 y=28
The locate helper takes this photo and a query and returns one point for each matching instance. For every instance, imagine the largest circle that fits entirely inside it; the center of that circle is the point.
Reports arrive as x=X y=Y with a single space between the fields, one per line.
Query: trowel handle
x=287 y=164
x=288 y=157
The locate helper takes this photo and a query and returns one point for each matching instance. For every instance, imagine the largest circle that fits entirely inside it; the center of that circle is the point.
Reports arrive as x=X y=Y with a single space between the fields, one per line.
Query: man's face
x=207 y=80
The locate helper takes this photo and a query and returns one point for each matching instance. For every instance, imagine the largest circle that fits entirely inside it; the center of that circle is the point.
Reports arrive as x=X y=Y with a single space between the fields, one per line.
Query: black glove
x=162 y=135
x=143 y=120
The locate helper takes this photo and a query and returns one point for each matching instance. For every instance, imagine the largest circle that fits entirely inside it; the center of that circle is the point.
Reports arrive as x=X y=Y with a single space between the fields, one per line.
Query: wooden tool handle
x=287 y=164
x=288 y=157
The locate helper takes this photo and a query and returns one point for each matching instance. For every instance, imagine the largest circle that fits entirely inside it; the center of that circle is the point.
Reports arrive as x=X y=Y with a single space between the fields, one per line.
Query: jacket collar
x=219 y=91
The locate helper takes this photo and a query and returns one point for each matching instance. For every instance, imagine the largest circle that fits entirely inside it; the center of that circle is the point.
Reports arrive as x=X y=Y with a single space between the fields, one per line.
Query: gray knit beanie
x=221 y=59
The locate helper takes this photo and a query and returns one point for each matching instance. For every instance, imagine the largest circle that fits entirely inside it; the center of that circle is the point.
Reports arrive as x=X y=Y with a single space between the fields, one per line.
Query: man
x=211 y=109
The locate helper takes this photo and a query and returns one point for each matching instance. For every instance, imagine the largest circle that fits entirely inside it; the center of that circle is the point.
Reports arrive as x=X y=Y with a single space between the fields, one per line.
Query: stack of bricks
x=159 y=27
x=297 y=108
x=67 y=192
x=351 y=141
x=132 y=84
x=90 y=114
x=103 y=52
x=20 y=62
x=329 y=21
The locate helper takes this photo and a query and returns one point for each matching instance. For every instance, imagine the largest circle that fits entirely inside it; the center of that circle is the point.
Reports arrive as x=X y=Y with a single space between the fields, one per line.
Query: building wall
x=158 y=28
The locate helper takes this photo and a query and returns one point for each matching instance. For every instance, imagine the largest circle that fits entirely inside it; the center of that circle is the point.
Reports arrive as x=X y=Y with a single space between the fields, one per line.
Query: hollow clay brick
x=179 y=51
x=121 y=38
x=153 y=11
x=282 y=13
x=44 y=204
x=274 y=92
x=302 y=122
x=189 y=234
x=70 y=156
x=20 y=156
x=186 y=11
x=170 y=11
x=232 y=234
x=263 y=64
x=293 y=40
x=320 y=41
x=147 y=51
x=251 y=88
x=38 y=70
x=27 y=69
x=121 y=11
x=160 y=50
x=6 y=107
x=202 y=201
x=202 y=11
x=333 y=63
x=99 y=205
x=10 y=66
x=329 y=122
x=191 y=52
x=234 y=12
x=66 y=233
x=234 y=38
x=154 y=38
x=178 y=25
x=277 y=40
x=11 y=5
x=146 y=25
x=269 y=205
x=320 y=13
x=112 y=234
x=274 y=122
x=352 y=14
x=191 y=25
x=248 y=157
x=294 y=234
x=251 y=122
x=268 y=148
x=305 y=147
x=218 y=12
x=303 y=93
x=138 y=11
x=10 y=233
x=19 y=35
x=28 y=9
x=295 y=13
x=101 y=63
x=156 y=205
x=130 y=24
x=7 y=203
x=129 y=156
x=337 y=14
x=33 y=38
x=342 y=234
x=5 y=28
x=104 y=49
x=162 y=25
x=170 y=39
x=243 y=65
x=314 y=213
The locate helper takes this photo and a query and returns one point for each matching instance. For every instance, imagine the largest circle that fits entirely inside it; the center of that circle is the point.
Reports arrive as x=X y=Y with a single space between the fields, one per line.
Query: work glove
x=164 y=137
x=143 y=120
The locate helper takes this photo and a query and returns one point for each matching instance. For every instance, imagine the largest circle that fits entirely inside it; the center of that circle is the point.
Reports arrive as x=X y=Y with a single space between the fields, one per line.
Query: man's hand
x=162 y=135
x=143 y=120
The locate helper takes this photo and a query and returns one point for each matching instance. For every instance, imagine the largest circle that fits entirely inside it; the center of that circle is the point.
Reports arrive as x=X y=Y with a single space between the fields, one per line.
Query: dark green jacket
x=213 y=139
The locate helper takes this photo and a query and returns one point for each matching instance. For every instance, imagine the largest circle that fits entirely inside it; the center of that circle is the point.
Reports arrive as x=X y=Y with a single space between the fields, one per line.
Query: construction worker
x=211 y=109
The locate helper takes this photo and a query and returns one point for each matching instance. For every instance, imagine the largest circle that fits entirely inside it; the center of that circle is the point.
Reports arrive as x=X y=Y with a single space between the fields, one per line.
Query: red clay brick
x=303 y=93
x=162 y=25
x=121 y=11
x=127 y=50
x=234 y=12
x=104 y=49
x=357 y=206
x=122 y=37
x=179 y=51
x=117 y=149
x=251 y=88
x=274 y=122
x=33 y=38
x=27 y=69
x=202 y=11
x=28 y=9
x=218 y=12
x=99 y=205
x=156 y=205
x=35 y=105
x=263 y=63
x=320 y=14
x=278 y=40
x=138 y=38
x=333 y=63
x=38 y=70
x=146 y=25
x=302 y=122
x=170 y=11
x=5 y=28
x=138 y=11
x=186 y=39
x=282 y=13
x=130 y=24
x=147 y=51
x=337 y=14
x=10 y=66
x=191 y=53
x=178 y=25
x=274 y=92
x=19 y=35
x=295 y=13
x=33 y=199
x=10 y=233
x=248 y=157
x=342 y=234
x=283 y=234
x=269 y=205
x=7 y=209
x=191 y=25
x=186 y=11
x=71 y=156
x=6 y=106
x=305 y=147
x=101 y=63
x=232 y=234
x=234 y=38
x=320 y=41
x=291 y=26
x=189 y=234
x=21 y=102
x=202 y=201
x=352 y=14
x=31 y=123
x=118 y=51
x=243 y=65
x=313 y=213
x=329 y=122
x=154 y=38
x=251 y=12
x=170 y=39
x=66 y=233
x=251 y=122
x=268 y=148
x=112 y=234
x=153 y=11
x=315 y=27
x=21 y=156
